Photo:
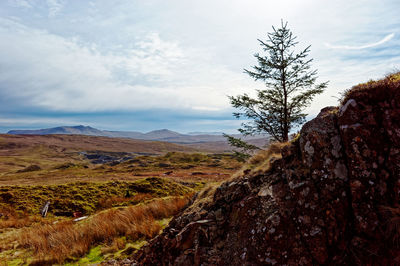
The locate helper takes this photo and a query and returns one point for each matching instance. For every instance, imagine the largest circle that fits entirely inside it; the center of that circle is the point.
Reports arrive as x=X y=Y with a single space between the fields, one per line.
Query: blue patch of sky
x=144 y=120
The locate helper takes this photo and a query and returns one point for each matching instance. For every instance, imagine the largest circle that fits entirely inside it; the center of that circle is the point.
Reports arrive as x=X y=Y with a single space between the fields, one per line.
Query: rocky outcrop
x=332 y=198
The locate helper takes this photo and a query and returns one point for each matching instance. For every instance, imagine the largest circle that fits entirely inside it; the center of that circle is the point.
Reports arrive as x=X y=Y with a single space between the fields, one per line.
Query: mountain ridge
x=158 y=135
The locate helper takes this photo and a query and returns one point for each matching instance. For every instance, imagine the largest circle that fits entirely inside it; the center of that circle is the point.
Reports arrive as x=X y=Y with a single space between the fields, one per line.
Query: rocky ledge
x=332 y=198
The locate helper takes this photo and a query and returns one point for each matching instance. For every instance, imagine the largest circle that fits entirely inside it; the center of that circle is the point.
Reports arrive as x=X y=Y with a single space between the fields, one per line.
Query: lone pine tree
x=290 y=87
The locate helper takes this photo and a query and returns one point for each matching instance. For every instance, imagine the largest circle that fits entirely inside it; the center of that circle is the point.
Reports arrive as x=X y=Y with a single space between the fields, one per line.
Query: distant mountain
x=123 y=134
x=205 y=133
x=158 y=135
x=162 y=134
x=75 y=130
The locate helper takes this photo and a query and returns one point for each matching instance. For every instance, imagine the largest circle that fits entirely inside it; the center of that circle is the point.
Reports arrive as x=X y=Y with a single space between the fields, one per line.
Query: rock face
x=333 y=197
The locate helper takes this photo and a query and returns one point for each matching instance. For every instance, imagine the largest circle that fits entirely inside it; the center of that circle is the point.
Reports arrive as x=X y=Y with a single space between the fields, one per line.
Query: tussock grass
x=180 y=157
x=106 y=203
x=261 y=159
x=57 y=242
x=10 y=218
x=203 y=199
x=116 y=244
x=20 y=222
x=260 y=162
x=375 y=90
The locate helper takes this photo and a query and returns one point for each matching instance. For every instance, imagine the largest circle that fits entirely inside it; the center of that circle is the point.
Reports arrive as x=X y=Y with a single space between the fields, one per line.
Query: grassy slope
x=73 y=184
x=80 y=142
x=59 y=160
x=85 y=197
x=17 y=152
x=115 y=232
x=25 y=235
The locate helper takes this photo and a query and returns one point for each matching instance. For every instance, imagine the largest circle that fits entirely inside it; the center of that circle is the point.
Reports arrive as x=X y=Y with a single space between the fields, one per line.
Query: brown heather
x=54 y=243
x=375 y=90
x=260 y=161
x=14 y=219
x=114 y=200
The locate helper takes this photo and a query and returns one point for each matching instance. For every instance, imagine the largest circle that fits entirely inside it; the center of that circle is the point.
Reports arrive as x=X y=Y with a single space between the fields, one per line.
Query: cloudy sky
x=152 y=64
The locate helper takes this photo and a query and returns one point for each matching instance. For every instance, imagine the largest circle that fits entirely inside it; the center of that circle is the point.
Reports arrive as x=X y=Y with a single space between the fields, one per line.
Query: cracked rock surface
x=333 y=198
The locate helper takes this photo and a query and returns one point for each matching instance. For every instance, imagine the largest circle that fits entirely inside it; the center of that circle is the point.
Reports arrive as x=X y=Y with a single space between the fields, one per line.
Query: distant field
x=11 y=143
x=129 y=189
x=57 y=159
x=223 y=146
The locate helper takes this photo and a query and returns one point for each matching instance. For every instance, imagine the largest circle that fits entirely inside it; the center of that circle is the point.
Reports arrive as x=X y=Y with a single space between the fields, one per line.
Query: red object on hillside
x=77 y=214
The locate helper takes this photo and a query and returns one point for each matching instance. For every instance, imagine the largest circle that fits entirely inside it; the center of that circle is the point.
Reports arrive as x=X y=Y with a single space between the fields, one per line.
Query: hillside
x=31 y=159
x=84 y=143
x=57 y=159
x=96 y=190
x=77 y=130
x=329 y=197
x=156 y=135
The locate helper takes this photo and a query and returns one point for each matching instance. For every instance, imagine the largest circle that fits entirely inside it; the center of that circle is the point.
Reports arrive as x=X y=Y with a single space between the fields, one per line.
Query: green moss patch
x=86 y=197
x=94 y=256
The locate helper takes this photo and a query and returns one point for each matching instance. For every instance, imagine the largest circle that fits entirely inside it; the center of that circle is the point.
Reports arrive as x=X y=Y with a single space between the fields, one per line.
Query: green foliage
x=290 y=87
x=159 y=187
x=241 y=156
x=244 y=148
x=94 y=256
x=180 y=157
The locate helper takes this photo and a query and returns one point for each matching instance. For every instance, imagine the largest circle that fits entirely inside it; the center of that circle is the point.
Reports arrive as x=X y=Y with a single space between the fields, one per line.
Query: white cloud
x=57 y=73
x=36 y=121
x=55 y=6
x=359 y=47
x=186 y=55
x=205 y=108
x=21 y=3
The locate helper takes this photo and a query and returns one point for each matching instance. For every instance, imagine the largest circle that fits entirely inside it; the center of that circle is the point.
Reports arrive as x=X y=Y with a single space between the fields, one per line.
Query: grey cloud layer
x=63 y=74
x=186 y=56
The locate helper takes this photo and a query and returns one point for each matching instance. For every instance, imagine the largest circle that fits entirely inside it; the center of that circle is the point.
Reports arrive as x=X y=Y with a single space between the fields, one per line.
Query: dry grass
x=116 y=244
x=204 y=198
x=20 y=222
x=260 y=162
x=375 y=90
x=57 y=242
x=263 y=156
x=109 y=202
x=10 y=218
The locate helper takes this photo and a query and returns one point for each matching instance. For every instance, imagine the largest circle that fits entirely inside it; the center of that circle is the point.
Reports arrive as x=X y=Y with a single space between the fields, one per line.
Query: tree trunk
x=285 y=109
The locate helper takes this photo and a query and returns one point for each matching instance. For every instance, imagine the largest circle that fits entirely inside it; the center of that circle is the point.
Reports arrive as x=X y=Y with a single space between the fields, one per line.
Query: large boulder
x=332 y=197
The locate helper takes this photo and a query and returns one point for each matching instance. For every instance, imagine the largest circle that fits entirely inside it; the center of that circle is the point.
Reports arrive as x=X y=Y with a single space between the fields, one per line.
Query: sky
x=153 y=64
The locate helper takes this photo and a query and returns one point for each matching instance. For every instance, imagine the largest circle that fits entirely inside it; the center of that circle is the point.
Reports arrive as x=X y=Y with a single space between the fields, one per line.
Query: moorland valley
x=285 y=161
x=119 y=201
x=96 y=177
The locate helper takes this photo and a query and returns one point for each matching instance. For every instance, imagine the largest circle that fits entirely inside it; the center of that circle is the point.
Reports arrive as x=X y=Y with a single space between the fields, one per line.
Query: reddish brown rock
x=333 y=197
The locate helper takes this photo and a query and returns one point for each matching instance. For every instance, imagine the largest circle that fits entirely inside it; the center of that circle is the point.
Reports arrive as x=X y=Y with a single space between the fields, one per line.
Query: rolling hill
x=84 y=143
x=158 y=135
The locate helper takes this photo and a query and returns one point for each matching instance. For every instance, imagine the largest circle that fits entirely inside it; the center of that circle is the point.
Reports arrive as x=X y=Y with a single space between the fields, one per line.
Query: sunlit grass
x=75 y=186
x=57 y=242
